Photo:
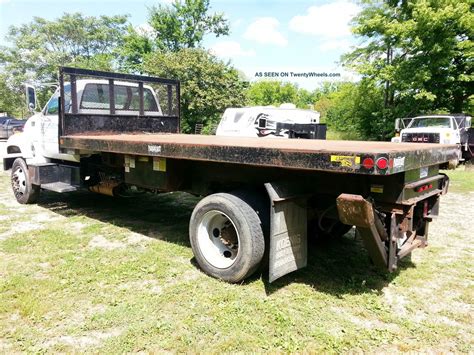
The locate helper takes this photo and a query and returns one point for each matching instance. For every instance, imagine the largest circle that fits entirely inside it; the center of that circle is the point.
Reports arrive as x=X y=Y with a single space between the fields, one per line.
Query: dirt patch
x=46 y=217
x=137 y=238
x=397 y=301
x=101 y=242
x=92 y=338
x=21 y=227
x=77 y=226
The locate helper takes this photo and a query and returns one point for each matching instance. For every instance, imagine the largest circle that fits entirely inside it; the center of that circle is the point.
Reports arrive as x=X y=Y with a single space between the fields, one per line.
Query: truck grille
x=420 y=137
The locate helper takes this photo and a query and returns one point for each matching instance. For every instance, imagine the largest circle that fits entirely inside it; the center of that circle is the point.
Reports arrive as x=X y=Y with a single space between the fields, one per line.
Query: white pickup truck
x=441 y=129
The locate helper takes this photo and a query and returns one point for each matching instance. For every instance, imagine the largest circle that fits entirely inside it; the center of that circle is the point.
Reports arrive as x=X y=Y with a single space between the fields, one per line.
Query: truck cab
x=39 y=141
x=432 y=129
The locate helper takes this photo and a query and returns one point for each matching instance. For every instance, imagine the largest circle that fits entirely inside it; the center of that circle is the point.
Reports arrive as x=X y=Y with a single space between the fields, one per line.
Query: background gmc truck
x=439 y=129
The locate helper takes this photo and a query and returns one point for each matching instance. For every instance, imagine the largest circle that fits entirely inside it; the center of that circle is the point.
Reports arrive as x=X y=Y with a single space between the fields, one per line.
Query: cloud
x=334 y=44
x=230 y=49
x=264 y=30
x=328 y=20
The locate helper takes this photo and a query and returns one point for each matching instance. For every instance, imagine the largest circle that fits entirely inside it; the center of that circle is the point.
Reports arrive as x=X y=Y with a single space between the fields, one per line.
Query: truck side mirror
x=30 y=97
x=397 y=125
x=468 y=122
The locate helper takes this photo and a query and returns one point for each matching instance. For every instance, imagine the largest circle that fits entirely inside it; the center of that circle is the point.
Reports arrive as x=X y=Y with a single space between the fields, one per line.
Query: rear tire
x=25 y=192
x=226 y=237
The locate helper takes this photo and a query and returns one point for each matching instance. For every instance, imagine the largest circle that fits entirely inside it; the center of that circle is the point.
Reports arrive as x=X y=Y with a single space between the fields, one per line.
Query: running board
x=59 y=187
x=55 y=177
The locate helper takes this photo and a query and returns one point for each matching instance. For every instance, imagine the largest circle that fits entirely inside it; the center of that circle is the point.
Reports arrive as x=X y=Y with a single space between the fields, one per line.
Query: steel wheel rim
x=19 y=181
x=218 y=239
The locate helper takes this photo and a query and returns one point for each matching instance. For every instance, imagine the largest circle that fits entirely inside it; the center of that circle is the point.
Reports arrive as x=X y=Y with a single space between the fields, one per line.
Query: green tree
x=420 y=51
x=133 y=50
x=354 y=110
x=276 y=93
x=208 y=85
x=184 y=24
x=38 y=48
x=11 y=98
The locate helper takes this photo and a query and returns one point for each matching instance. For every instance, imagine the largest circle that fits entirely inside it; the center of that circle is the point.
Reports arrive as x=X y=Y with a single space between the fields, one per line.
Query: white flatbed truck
x=107 y=132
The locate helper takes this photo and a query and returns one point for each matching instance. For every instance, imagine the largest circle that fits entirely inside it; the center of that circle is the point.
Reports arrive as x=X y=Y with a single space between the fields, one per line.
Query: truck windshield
x=52 y=107
x=444 y=122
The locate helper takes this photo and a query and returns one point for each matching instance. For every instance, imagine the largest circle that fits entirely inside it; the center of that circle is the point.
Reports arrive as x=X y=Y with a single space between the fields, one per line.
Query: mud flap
x=288 y=230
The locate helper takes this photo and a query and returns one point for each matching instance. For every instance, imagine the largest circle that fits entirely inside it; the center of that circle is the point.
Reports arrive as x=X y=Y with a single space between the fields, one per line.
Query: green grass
x=462 y=179
x=84 y=272
x=338 y=135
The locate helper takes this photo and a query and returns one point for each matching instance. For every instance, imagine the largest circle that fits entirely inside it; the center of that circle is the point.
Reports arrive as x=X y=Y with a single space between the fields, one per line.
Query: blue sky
x=266 y=36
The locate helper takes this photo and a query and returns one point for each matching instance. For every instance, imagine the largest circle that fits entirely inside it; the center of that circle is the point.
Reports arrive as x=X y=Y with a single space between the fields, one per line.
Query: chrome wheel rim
x=19 y=181
x=218 y=239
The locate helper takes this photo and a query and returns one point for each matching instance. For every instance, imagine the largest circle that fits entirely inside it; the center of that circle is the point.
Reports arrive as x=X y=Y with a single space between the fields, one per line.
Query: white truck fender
x=19 y=144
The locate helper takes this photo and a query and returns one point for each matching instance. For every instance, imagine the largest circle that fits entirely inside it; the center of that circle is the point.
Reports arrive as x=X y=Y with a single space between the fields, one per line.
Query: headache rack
x=124 y=103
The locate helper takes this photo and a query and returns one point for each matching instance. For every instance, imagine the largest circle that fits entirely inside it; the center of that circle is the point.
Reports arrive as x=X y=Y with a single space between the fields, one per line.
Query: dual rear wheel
x=227 y=234
x=227 y=237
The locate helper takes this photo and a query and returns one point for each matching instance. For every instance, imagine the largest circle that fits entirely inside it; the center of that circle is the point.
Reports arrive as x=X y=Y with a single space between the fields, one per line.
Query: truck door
x=456 y=131
x=49 y=125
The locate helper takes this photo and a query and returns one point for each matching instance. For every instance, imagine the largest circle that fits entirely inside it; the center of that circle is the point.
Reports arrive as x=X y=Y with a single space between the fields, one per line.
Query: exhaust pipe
x=105 y=188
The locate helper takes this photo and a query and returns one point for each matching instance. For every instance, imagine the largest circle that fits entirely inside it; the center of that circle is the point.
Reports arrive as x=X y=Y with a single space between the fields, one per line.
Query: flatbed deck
x=326 y=155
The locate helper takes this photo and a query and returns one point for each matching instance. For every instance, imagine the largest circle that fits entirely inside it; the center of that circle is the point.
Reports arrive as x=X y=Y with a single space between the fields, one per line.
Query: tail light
x=368 y=163
x=382 y=163
x=424 y=188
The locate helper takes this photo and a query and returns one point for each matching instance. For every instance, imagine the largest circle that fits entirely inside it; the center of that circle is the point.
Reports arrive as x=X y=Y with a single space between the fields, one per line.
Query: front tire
x=25 y=192
x=226 y=237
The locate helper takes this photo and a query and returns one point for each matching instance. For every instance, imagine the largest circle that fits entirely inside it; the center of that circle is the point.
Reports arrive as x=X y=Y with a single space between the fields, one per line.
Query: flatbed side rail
x=97 y=102
x=253 y=152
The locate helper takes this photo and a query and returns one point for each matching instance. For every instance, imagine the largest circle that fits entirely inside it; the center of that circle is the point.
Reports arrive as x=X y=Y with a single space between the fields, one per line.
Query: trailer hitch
x=381 y=243
x=357 y=211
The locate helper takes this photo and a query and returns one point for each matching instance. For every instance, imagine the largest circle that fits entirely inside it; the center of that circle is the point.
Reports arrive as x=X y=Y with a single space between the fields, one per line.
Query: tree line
x=416 y=57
